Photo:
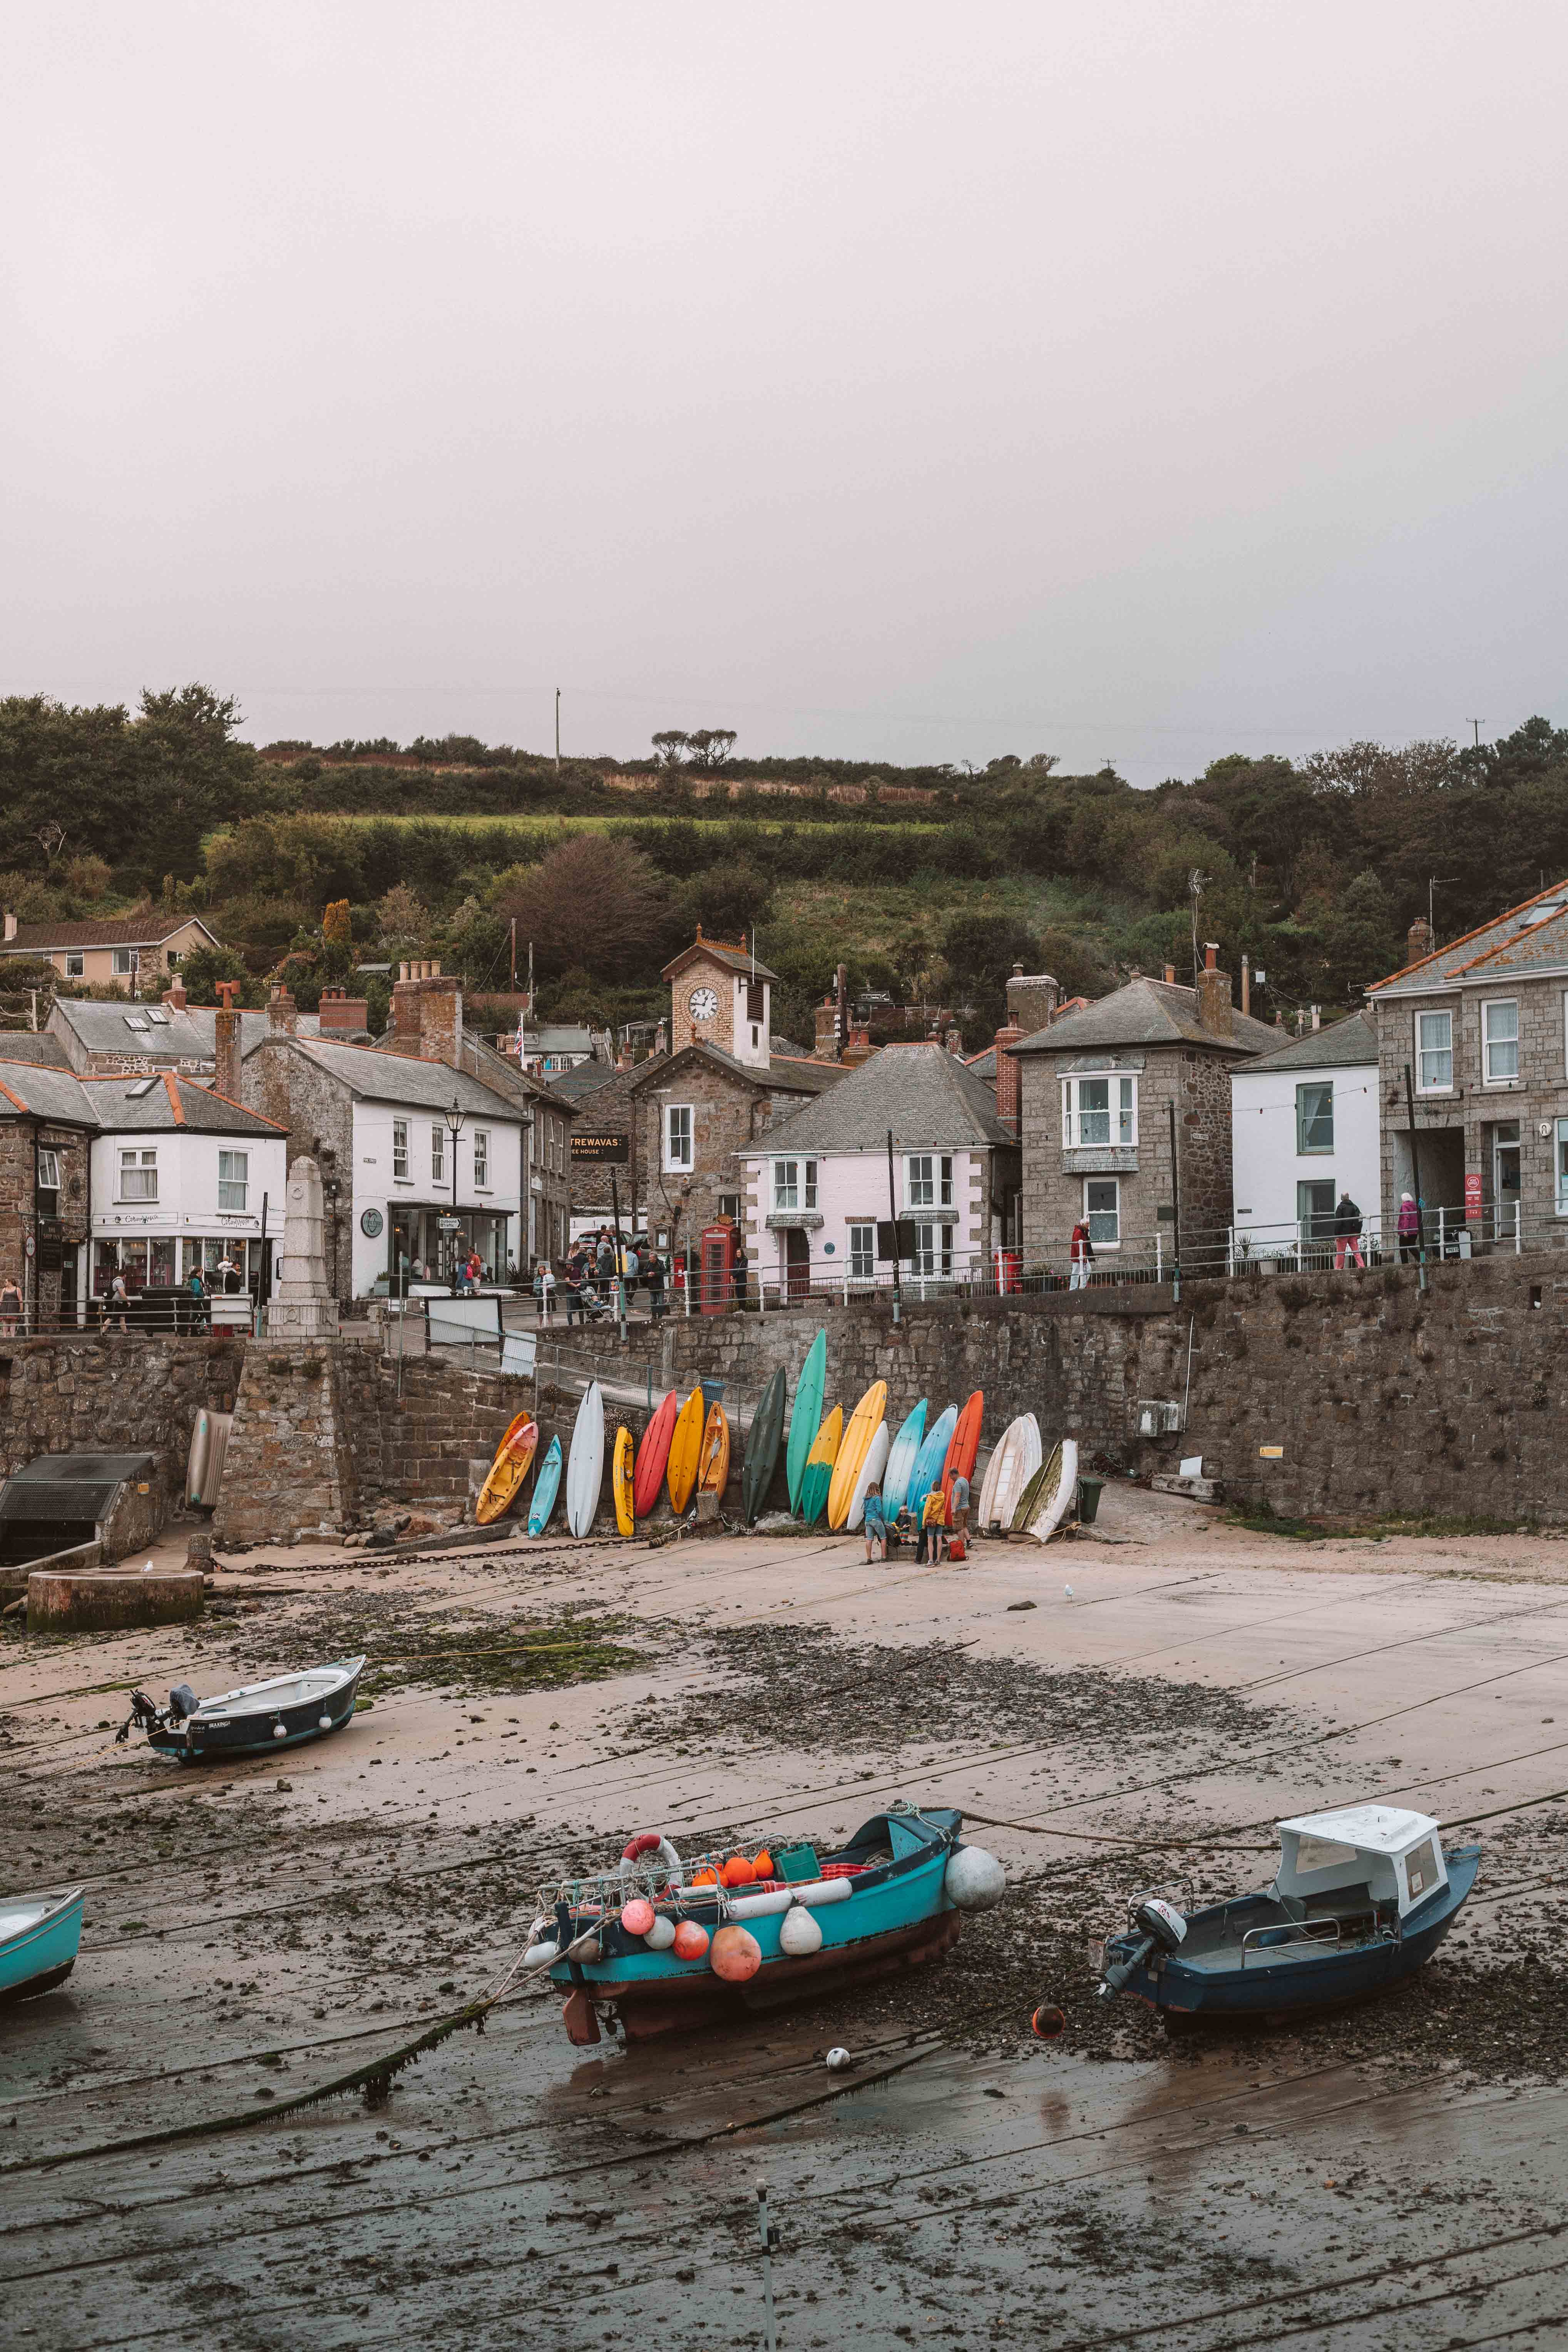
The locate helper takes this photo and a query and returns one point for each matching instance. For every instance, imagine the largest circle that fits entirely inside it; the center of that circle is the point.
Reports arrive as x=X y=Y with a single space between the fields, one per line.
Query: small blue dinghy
x=40 y=1935
x=546 y=1487
x=1362 y=1899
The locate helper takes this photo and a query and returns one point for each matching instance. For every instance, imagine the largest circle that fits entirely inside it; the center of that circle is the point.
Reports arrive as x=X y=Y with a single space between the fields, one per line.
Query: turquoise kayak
x=902 y=1455
x=927 y=1471
x=546 y=1487
x=40 y=1935
x=805 y=1420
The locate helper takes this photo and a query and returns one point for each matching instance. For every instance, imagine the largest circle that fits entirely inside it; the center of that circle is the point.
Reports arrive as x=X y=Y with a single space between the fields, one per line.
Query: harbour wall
x=122 y=1393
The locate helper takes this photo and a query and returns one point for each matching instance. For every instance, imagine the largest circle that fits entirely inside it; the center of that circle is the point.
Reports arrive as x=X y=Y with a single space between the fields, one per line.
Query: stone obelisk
x=303 y=1308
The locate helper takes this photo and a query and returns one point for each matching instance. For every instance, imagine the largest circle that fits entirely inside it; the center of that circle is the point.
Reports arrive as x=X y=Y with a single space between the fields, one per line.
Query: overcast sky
x=897 y=380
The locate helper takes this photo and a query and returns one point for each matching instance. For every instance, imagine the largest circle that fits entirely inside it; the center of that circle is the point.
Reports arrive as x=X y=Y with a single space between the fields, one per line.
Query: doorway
x=1505 y=1180
x=797 y=1263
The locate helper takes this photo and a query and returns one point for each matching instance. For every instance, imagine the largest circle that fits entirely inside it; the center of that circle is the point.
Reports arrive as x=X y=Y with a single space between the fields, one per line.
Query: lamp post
x=456 y=1118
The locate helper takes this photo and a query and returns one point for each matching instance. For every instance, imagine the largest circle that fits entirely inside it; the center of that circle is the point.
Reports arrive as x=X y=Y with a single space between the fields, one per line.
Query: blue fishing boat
x=1362 y=1899
x=662 y=1943
x=255 y=1720
x=40 y=1935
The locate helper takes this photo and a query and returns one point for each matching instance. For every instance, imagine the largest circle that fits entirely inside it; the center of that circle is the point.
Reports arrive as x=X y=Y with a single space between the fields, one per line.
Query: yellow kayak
x=621 y=1480
x=856 y=1443
x=508 y=1471
x=713 y=1471
x=819 y=1464
x=685 y=1451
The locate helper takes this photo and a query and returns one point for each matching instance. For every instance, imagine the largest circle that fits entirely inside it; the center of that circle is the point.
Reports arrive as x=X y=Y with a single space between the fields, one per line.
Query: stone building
x=130 y=1040
x=47 y=1129
x=1097 y=1089
x=1481 y=1028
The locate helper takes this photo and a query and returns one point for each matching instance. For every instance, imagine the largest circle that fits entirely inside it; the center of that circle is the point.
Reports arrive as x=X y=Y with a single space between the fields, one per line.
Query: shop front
x=426 y=1241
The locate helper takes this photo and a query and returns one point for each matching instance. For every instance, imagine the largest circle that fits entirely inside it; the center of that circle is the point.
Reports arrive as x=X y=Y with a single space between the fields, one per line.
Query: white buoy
x=799 y=1933
x=837 y=2061
x=323 y=1723
x=661 y=1935
x=279 y=1731
x=974 y=1880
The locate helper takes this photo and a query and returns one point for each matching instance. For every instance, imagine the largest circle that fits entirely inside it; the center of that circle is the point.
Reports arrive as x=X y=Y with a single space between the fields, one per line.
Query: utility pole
x=513 y=927
x=558 y=731
x=1416 y=1179
x=1436 y=882
x=1175 y=1211
x=1475 y=724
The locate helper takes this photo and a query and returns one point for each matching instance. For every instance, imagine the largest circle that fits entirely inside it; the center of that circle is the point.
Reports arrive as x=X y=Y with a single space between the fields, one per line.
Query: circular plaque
x=370 y=1223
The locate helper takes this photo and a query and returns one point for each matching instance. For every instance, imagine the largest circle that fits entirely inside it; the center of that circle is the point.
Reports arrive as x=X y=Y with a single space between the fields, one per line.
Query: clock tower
x=721 y=995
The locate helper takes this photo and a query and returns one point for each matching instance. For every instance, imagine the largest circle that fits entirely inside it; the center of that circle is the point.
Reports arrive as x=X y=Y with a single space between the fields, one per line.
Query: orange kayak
x=963 y=1447
x=713 y=1462
x=508 y=1471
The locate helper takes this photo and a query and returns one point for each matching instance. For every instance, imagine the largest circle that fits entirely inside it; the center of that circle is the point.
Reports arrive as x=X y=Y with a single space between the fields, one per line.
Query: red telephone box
x=716 y=1268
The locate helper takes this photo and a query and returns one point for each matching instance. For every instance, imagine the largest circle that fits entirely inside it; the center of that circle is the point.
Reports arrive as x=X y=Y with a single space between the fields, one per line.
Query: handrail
x=1288 y=1931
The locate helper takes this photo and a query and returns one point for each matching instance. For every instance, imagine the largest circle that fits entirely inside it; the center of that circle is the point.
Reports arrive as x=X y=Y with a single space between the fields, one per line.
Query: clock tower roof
x=727 y=956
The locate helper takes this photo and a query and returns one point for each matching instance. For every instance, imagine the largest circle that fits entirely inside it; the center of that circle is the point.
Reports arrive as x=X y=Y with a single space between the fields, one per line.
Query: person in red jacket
x=1080 y=1251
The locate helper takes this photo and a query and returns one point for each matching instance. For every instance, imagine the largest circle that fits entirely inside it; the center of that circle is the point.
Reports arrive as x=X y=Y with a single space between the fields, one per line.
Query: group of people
x=593 y=1267
x=940 y=1524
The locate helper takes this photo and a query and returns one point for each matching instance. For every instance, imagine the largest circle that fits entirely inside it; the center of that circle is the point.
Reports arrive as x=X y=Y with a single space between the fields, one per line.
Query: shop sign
x=609 y=1144
x=1473 y=1194
x=370 y=1223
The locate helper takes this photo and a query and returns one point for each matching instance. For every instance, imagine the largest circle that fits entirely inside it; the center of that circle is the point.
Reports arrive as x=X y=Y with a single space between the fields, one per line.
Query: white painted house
x=817 y=1183
x=1304 y=1130
x=179 y=1177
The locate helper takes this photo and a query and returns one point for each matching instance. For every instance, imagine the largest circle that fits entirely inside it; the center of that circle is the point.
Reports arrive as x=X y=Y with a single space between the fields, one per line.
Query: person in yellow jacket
x=933 y=1514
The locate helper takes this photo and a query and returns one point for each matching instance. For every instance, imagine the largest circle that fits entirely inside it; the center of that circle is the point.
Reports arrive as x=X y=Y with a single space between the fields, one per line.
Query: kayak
x=508 y=1471
x=806 y=1418
x=585 y=1463
x=685 y=1448
x=546 y=1487
x=1008 y=1472
x=621 y=1481
x=763 y=1441
x=653 y=1453
x=819 y=1465
x=902 y=1455
x=713 y=1462
x=864 y=1422
x=930 y=1460
x=871 y=1471
x=961 y=1448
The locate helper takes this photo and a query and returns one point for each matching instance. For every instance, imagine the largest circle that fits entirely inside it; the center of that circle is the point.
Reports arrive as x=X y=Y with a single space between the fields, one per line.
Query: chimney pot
x=1418 y=942
x=1170 y=975
x=10 y=924
x=1211 y=954
x=174 y=995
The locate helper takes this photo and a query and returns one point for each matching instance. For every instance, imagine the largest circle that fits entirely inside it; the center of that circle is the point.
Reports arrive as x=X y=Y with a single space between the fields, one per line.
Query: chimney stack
x=1215 y=1013
x=341 y=1013
x=955 y=1042
x=1418 y=942
x=174 y=995
x=427 y=1013
x=1317 y=1019
x=282 y=1013
x=859 y=1048
x=225 y=1044
x=1009 y=1077
x=1170 y=975
x=1246 y=984
x=1032 y=1000
x=841 y=995
x=825 y=1046
x=10 y=924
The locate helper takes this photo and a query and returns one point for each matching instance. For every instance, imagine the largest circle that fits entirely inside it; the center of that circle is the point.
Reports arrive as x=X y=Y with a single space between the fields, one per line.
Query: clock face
x=703 y=1004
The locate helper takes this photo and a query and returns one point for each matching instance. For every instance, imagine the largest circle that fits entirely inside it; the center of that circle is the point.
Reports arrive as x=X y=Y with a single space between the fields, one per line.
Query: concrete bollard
x=107 y=1602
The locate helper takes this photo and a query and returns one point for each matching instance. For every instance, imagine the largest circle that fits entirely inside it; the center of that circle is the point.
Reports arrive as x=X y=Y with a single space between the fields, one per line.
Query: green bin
x=1089 y=1492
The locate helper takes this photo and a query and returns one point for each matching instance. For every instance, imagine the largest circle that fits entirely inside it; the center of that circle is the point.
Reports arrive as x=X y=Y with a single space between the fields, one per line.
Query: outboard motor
x=143 y=1717
x=1160 y=1924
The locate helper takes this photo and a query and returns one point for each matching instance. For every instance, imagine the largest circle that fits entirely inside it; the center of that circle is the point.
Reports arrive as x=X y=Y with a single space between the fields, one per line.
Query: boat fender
x=799 y=1933
x=974 y=1879
x=649 y=1841
x=636 y=1916
x=690 y=1941
x=836 y=2059
x=735 y=1955
x=661 y=1935
x=279 y=1731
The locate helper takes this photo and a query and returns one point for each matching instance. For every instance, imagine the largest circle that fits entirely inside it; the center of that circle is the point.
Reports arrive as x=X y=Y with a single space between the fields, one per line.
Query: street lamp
x=456 y=1119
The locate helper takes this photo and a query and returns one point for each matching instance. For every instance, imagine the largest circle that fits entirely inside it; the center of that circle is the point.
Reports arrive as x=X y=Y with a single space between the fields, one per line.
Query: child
x=934 y=1512
x=876 y=1525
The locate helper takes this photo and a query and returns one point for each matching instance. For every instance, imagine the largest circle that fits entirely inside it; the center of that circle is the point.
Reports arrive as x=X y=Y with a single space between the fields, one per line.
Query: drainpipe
x=1416 y=1179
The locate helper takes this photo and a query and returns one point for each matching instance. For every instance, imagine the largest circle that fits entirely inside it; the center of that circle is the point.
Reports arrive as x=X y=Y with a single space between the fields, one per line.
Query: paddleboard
x=713 y=1462
x=763 y=1441
x=685 y=1447
x=927 y=1471
x=621 y=1481
x=1058 y=1492
x=871 y=1471
x=1009 y=1471
x=961 y=1448
x=1028 y=1501
x=863 y=1425
x=508 y=1471
x=585 y=1464
x=653 y=1453
x=902 y=1455
x=819 y=1465
x=546 y=1488
x=805 y=1419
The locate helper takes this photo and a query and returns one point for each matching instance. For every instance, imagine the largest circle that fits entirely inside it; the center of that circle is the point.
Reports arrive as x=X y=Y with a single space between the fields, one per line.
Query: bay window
x=1098 y=1111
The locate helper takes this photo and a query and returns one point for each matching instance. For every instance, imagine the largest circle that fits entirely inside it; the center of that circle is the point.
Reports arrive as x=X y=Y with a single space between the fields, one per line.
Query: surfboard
x=763 y=1441
x=653 y=1453
x=1028 y=1501
x=585 y=1463
x=508 y=1471
x=870 y=1475
x=961 y=1448
x=805 y=1420
x=902 y=1455
x=621 y=1480
x=862 y=1427
x=685 y=1447
x=1058 y=1489
x=545 y=1490
x=927 y=1471
x=819 y=1465
x=1008 y=1472
x=713 y=1462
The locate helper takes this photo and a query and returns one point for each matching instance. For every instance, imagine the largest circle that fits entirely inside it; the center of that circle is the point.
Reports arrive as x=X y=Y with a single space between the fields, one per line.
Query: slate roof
x=187 y=1036
x=28 y=1090
x=500 y=1071
x=1344 y=1045
x=734 y=959
x=583 y=1079
x=1146 y=1013
x=376 y=1076
x=144 y=930
x=114 y=1106
x=923 y=1093
x=1530 y=937
x=34 y=1045
x=805 y=1076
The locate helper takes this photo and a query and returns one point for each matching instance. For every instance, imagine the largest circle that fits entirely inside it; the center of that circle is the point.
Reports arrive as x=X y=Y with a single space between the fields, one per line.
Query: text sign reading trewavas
x=611 y=1143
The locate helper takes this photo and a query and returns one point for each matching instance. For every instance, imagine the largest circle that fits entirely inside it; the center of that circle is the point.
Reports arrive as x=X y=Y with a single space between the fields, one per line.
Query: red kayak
x=963 y=1447
x=653 y=1453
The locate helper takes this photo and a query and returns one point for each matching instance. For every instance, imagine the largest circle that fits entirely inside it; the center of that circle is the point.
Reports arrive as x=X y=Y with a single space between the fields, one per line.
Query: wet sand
x=1391 y=2177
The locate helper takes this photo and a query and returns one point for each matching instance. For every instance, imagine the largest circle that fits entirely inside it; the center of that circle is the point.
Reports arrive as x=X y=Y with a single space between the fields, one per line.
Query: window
x=928 y=1180
x=233 y=1179
x=1315 y=1118
x=795 y=1183
x=1434 y=1053
x=73 y=963
x=1563 y=1167
x=400 y=1151
x=730 y=1206
x=482 y=1158
x=1499 y=1041
x=437 y=1151
x=1102 y=1210
x=48 y=1170
x=125 y=961
x=756 y=991
x=862 y=1253
x=139 y=1175
x=1315 y=1211
x=1098 y=1111
x=678 y=1154
x=1421 y=1869
x=933 y=1249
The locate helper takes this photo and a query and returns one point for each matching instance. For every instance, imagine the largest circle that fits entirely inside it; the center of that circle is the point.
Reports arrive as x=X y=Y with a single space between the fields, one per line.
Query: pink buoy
x=736 y=1955
x=636 y=1916
x=690 y=1941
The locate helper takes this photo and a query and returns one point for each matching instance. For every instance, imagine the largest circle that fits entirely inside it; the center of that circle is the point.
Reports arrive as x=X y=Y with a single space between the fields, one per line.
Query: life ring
x=649 y=1841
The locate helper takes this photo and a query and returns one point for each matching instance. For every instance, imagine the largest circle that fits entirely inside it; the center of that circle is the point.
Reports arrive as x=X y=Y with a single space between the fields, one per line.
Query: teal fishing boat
x=40 y=1935
x=664 y=1943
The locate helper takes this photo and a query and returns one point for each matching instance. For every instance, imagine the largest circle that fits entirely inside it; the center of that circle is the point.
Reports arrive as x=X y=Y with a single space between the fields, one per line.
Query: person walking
x=876 y=1525
x=10 y=1309
x=1409 y=1225
x=545 y=1288
x=1080 y=1253
x=656 y=1280
x=958 y=1518
x=1347 y=1234
x=119 y=1301
x=934 y=1511
x=576 y=1275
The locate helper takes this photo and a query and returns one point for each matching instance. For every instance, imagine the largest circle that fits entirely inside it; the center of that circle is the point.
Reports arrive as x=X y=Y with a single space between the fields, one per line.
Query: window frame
x=1559 y=1145
x=1120 y=1114
x=862 y=1253
x=48 y=1156
x=932 y=1190
x=933 y=1259
x=140 y=1160
x=74 y=963
x=1305 y=1150
x=228 y=1186
x=1490 y=1005
x=481 y=1175
x=399 y=1152
x=730 y=1206
x=1101 y=1241
x=674 y=1165
x=439 y=1133
x=1315 y=1225
x=127 y=968
x=801 y=1188
x=1433 y=1013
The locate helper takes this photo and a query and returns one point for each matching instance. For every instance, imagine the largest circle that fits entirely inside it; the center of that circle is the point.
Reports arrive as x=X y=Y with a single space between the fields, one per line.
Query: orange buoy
x=736 y=1955
x=636 y=1916
x=762 y=1865
x=1047 y=2022
x=705 y=1878
x=690 y=1941
x=738 y=1871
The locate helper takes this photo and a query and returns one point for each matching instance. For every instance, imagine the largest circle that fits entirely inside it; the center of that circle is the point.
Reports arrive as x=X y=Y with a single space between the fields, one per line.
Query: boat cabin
x=1395 y=1856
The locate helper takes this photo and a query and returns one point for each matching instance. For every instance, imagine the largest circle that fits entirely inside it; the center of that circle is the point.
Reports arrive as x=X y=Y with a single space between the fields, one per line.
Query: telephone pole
x=558 y=731
x=1475 y=724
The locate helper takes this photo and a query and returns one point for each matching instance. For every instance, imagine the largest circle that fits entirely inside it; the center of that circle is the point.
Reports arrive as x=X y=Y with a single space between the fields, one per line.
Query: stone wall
x=121 y=1394
x=416 y=1446
x=38 y=1276
x=289 y=1465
